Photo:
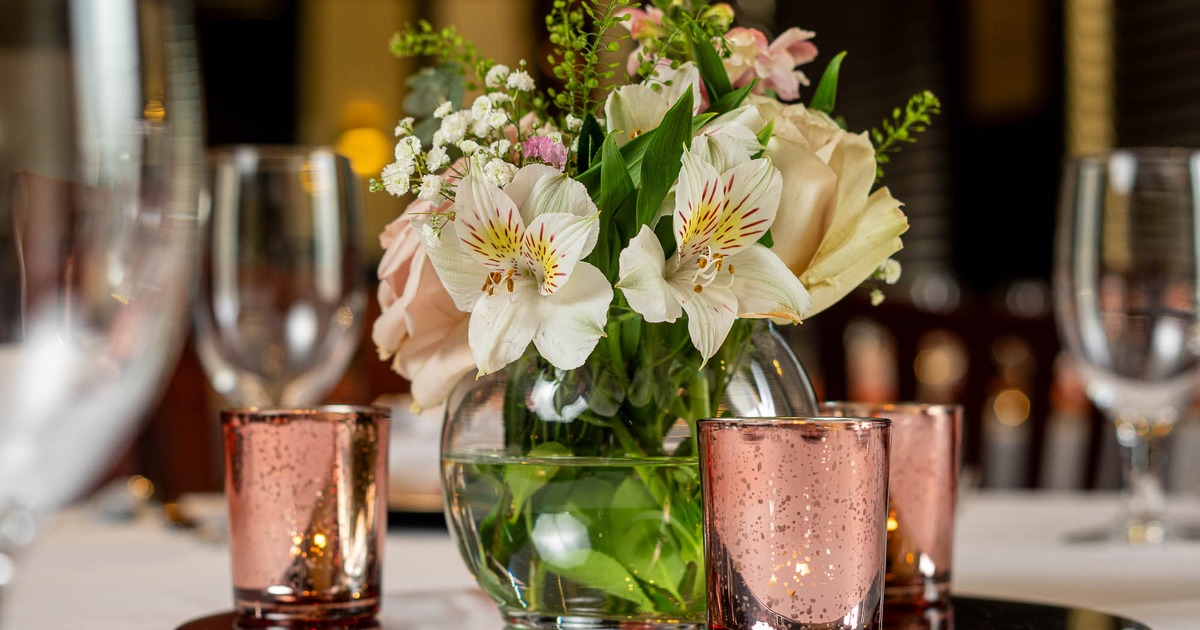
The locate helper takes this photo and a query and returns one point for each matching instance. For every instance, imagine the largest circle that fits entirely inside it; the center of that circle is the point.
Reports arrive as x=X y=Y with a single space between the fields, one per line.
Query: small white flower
x=889 y=271
x=481 y=107
x=436 y=158
x=454 y=128
x=469 y=147
x=431 y=187
x=497 y=119
x=555 y=136
x=499 y=98
x=573 y=123
x=496 y=76
x=443 y=110
x=762 y=625
x=876 y=297
x=408 y=147
x=501 y=146
x=404 y=127
x=520 y=81
x=395 y=177
x=499 y=172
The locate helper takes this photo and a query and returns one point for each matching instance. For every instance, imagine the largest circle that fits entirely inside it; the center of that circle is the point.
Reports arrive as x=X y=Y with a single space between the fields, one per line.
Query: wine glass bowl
x=99 y=165
x=1125 y=283
x=282 y=292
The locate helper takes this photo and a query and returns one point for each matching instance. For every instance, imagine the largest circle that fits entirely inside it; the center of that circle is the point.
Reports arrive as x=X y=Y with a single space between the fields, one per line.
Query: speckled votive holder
x=926 y=447
x=307 y=493
x=795 y=522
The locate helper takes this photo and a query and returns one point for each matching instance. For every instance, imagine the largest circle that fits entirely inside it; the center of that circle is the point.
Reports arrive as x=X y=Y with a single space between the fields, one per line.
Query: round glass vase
x=574 y=495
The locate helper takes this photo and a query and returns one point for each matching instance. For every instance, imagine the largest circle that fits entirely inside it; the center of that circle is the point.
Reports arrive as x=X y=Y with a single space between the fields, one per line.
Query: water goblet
x=282 y=288
x=99 y=165
x=1125 y=288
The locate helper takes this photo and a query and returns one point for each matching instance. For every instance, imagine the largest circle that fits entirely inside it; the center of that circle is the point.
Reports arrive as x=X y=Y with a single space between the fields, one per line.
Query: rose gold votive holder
x=307 y=493
x=926 y=442
x=795 y=515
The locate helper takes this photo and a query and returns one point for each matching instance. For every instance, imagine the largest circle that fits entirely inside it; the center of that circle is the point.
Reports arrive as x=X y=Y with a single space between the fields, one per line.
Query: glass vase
x=574 y=495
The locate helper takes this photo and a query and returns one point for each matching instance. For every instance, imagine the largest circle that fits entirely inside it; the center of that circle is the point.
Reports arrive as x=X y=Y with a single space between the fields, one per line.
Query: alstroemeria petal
x=552 y=246
x=673 y=82
x=751 y=194
x=524 y=180
x=503 y=324
x=697 y=205
x=765 y=287
x=573 y=318
x=558 y=193
x=642 y=279
x=710 y=316
x=725 y=145
x=489 y=223
x=835 y=271
x=435 y=366
x=459 y=272
x=632 y=110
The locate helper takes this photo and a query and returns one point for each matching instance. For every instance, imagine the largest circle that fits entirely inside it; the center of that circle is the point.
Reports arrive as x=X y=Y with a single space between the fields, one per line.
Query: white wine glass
x=282 y=288
x=1126 y=298
x=100 y=159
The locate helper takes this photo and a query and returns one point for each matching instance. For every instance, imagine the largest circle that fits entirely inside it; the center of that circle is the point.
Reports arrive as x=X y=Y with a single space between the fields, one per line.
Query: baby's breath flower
x=573 y=123
x=499 y=172
x=454 y=127
x=437 y=158
x=470 y=147
x=404 y=127
x=499 y=98
x=876 y=297
x=889 y=271
x=407 y=147
x=496 y=76
x=520 y=81
x=430 y=188
x=497 y=119
x=501 y=146
x=443 y=110
x=395 y=177
x=481 y=107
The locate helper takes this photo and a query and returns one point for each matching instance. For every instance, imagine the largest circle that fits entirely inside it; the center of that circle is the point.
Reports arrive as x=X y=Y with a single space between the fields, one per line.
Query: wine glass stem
x=1146 y=499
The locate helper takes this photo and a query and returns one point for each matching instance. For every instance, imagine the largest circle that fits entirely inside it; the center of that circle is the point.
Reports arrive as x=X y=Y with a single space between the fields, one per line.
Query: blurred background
x=1022 y=83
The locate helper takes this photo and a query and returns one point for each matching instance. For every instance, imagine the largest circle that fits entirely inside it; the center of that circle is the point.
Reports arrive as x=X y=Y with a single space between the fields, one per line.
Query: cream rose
x=831 y=230
x=419 y=328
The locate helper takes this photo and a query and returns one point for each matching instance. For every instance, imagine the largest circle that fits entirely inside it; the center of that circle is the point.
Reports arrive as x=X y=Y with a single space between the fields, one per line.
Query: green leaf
x=523 y=480
x=660 y=166
x=732 y=100
x=766 y=240
x=826 y=94
x=590 y=138
x=712 y=69
x=633 y=152
x=616 y=187
x=600 y=571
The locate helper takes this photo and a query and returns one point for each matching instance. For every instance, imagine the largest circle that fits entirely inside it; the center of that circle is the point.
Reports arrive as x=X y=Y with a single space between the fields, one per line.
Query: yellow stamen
x=698 y=288
x=702 y=263
x=731 y=269
x=509 y=284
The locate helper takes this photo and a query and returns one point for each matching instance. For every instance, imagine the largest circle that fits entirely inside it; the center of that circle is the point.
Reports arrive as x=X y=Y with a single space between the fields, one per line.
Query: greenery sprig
x=446 y=45
x=915 y=118
x=580 y=34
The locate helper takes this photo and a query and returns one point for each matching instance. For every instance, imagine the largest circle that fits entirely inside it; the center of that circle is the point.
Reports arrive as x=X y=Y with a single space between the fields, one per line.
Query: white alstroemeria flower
x=513 y=259
x=634 y=109
x=718 y=272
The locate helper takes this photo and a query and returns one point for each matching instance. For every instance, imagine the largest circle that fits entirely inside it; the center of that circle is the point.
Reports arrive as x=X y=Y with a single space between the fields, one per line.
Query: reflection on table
x=88 y=572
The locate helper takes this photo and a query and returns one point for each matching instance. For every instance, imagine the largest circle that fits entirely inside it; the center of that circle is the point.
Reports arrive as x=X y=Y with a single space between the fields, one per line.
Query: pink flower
x=774 y=63
x=643 y=26
x=419 y=328
x=546 y=149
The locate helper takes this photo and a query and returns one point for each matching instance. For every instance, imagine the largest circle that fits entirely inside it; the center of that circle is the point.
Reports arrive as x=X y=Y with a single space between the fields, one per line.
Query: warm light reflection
x=892 y=524
x=140 y=487
x=1011 y=407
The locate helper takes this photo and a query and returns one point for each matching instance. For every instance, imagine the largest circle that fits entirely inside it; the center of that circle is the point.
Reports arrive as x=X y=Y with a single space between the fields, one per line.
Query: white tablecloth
x=87 y=573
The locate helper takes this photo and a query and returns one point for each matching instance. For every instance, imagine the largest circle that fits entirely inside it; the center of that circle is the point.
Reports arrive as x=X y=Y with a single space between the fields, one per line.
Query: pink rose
x=419 y=328
x=774 y=63
x=643 y=26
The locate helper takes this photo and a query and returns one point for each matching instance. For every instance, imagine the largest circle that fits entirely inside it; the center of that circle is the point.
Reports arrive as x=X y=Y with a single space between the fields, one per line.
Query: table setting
x=587 y=285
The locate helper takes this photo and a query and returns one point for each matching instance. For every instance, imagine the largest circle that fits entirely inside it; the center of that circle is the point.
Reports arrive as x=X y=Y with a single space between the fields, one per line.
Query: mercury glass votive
x=926 y=444
x=795 y=515
x=307 y=493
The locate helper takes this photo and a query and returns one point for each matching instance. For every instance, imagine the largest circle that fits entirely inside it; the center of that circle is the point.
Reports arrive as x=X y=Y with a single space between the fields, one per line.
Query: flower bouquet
x=599 y=260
